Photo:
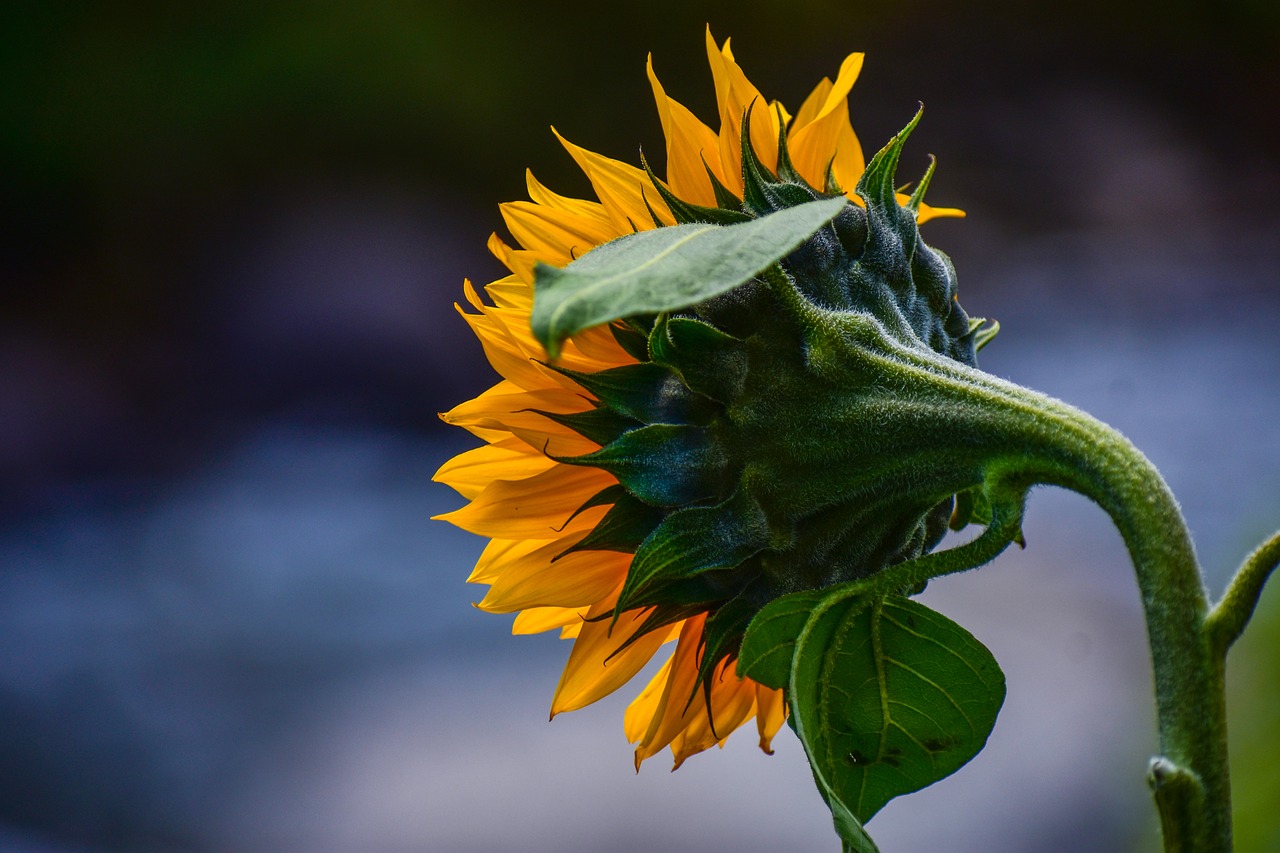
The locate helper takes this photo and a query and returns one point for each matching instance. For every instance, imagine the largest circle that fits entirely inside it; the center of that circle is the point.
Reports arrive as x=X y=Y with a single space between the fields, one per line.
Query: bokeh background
x=232 y=235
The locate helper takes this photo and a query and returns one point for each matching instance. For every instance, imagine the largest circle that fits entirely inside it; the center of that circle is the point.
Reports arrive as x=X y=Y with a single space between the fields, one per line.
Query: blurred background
x=232 y=235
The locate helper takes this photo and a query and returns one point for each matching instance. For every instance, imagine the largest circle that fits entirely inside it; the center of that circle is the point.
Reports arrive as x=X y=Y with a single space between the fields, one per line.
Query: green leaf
x=666 y=269
x=888 y=699
x=770 y=641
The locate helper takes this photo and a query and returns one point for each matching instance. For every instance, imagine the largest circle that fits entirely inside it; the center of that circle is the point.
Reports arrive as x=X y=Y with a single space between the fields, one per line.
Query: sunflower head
x=666 y=472
x=744 y=441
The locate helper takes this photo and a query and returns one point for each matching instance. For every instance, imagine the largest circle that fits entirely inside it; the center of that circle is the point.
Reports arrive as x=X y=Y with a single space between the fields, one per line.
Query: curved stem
x=1013 y=438
x=1192 y=788
x=1030 y=438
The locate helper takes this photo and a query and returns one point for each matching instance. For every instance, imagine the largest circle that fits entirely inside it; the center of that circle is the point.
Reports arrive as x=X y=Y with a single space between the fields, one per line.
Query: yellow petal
x=591 y=210
x=733 y=701
x=771 y=712
x=539 y=619
x=519 y=261
x=535 y=508
x=734 y=93
x=507 y=331
x=599 y=345
x=813 y=144
x=669 y=717
x=926 y=213
x=538 y=579
x=502 y=408
x=621 y=188
x=496 y=415
x=689 y=144
x=596 y=668
x=505 y=355
x=556 y=236
x=642 y=710
x=848 y=165
x=812 y=105
x=496 y=554
x=511 y=293
x=468 y=473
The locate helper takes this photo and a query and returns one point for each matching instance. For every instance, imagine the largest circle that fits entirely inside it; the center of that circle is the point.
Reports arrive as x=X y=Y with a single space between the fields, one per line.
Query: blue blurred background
x=232 y=234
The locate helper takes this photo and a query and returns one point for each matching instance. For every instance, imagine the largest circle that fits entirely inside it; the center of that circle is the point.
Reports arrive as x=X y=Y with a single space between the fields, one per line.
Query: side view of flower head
x=740 y=409
x=626 y=507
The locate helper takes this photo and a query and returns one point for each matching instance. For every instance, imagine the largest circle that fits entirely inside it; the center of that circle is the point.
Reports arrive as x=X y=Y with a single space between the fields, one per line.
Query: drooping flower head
x=662 y=477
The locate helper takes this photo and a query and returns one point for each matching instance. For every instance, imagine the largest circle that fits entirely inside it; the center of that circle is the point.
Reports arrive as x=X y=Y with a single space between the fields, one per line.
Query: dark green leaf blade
x=666 y=269
x=770 y=641
x=889 y=699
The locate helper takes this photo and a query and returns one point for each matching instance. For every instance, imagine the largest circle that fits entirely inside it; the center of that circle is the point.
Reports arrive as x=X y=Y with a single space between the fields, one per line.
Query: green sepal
x=647 y=392
x=829 y=183
x=889 y=697
x=695 y=540
x=877 y=185
x=763 y=193
x=703 y=591
x=665 y=269
x=668 y=465
x=917 y=195
x=724 y=196
x=983 y=331
x=627 y=523
x=687 y=212
x=723 y=630
x=653 y=214
x=600 y=424
x=659 y=617
x=707 y=360
x=786 y=170
x=770 y=640
x=634 y=342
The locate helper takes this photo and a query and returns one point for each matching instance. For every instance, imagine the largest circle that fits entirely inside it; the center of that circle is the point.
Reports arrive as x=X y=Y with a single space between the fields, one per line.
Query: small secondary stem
x=1230 y=615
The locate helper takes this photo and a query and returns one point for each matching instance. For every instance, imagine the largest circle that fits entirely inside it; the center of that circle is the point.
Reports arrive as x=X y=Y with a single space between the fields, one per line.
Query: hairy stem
x=1229 y=616
x=1071 y=449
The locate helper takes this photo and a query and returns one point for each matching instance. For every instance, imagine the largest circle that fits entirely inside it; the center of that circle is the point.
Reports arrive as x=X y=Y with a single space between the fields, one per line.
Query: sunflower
x=564 y=516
